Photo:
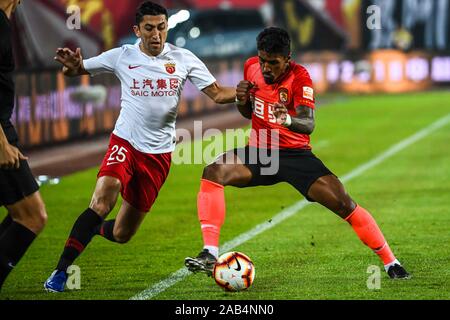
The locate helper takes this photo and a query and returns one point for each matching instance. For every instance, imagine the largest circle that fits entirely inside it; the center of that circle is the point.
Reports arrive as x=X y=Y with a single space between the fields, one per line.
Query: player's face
x=153 y=33
x=272 y=65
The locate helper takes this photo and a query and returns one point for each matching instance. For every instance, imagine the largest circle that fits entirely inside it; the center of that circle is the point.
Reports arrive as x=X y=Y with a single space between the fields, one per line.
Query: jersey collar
x=285 y=74
x=165 y=50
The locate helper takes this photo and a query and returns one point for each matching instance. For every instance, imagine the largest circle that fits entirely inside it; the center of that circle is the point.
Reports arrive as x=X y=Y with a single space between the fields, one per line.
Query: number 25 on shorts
x=118 y=155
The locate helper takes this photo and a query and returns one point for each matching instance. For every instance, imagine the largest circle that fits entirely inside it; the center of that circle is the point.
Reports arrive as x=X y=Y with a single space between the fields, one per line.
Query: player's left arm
x=303 y=100
x=302 y=122
x=220 y=94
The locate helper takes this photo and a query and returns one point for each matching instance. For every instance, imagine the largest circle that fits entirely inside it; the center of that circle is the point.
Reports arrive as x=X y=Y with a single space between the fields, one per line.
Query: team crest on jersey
x=283 y=95
x=170 y=67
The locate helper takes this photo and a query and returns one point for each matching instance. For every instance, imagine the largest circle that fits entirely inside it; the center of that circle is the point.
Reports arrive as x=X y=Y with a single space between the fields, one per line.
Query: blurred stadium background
x=410 y=53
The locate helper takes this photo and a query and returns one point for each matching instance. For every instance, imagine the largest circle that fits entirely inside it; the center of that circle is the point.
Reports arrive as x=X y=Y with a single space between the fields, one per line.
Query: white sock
x=387 y=266
x=213 y=250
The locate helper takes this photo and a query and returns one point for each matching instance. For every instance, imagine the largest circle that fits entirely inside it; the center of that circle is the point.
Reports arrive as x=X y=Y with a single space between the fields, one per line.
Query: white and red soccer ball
x=234 y=271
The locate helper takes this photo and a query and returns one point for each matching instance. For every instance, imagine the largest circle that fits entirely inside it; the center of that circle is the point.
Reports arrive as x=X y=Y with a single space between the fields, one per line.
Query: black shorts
x=298 y=167
x=16 y=184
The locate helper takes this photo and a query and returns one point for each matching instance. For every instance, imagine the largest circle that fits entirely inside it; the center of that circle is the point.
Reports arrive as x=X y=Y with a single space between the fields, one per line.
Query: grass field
x=312 y=255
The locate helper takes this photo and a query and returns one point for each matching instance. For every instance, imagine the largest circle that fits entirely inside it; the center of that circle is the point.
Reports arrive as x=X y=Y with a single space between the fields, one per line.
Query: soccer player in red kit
x=278 y=96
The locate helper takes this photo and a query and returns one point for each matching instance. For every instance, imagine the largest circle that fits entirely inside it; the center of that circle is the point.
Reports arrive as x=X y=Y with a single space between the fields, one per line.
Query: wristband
x=288 y=121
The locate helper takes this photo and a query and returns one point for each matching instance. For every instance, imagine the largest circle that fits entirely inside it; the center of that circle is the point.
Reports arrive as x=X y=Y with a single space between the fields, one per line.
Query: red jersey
x=292 y=90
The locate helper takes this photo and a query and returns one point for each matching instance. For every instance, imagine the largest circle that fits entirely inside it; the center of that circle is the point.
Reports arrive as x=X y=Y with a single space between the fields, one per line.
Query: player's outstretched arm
x=303 y=122
x=72 y=62
x=220 y=94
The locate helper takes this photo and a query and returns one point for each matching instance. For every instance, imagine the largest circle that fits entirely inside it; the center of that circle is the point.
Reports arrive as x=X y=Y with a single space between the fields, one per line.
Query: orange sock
x=370 y=234
x=211 y=211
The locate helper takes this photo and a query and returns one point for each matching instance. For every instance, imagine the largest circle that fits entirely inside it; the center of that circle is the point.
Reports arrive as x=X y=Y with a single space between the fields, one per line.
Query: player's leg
x=330 y=192
x=29 y=212
x=27 y=219
x=124 y=226
x=26 y=215
x=103 y=201
x=139 y=195
x=227 y=170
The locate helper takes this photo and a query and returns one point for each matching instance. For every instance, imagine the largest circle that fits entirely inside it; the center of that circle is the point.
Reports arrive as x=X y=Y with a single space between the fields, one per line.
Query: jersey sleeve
x=105 y=62
x=198 y=73
x=303 y=91
x=251 y=61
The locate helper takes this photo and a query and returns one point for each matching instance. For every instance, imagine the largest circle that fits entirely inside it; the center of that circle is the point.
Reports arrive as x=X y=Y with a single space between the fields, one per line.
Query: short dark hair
x=274 y=40
x=150 y=8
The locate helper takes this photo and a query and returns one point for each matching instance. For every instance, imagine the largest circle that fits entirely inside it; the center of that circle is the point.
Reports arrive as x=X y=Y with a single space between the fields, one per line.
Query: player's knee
x=105 y=196
x=215 y=173
x=344 y=206
x=101 y=207
x=102 y=204
x=41 y=217
x=122 y=236
x=34 y=217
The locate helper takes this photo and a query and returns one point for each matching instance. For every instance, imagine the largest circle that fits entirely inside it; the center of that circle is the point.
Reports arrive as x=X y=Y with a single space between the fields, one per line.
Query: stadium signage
x=378 y=71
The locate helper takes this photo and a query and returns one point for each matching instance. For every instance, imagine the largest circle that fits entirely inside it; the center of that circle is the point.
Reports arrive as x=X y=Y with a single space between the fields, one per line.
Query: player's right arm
x=74 y=65
x=243 y=101
x=72 y=62
x=10 y=156
x=243 y=90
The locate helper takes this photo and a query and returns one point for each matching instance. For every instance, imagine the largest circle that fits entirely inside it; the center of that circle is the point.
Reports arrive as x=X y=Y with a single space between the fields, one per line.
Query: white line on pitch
x=290 y=211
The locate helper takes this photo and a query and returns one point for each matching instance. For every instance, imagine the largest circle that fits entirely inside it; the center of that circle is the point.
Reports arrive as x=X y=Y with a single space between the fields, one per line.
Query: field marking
x=292 y=210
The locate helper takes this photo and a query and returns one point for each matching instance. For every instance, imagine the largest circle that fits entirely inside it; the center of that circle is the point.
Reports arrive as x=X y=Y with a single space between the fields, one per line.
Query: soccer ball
x=234 y=271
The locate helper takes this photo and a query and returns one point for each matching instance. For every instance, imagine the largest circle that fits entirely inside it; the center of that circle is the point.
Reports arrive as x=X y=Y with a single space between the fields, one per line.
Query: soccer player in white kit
x=152 y=75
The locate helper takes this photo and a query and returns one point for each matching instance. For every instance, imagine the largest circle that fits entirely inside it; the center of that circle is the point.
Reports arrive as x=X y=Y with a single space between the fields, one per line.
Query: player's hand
x=243 y=91
x=10 y=157
x=69 y=59
x=280 y=112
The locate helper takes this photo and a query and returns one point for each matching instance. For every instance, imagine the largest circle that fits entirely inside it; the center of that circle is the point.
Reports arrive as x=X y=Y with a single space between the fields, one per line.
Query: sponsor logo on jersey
x=308 y=93
x=264 y=110
x=163 y=87
x=283 y=95
x=170 y=67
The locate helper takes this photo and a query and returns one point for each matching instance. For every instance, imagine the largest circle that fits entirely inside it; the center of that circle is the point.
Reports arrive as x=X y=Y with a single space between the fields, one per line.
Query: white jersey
x=151 y=89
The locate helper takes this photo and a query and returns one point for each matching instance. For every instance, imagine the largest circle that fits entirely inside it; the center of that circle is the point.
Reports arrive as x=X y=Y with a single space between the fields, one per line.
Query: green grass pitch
x=312 y=255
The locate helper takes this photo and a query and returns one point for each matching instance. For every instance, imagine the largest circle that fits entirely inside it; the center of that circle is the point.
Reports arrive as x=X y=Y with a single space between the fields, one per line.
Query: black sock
x=82 y=232
x=106 y=230
x=13 y=244
x=5 y=224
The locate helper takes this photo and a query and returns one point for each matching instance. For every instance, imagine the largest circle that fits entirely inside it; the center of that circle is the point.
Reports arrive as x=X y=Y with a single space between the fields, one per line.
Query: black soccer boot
x=204 y=262
x=398 y=272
